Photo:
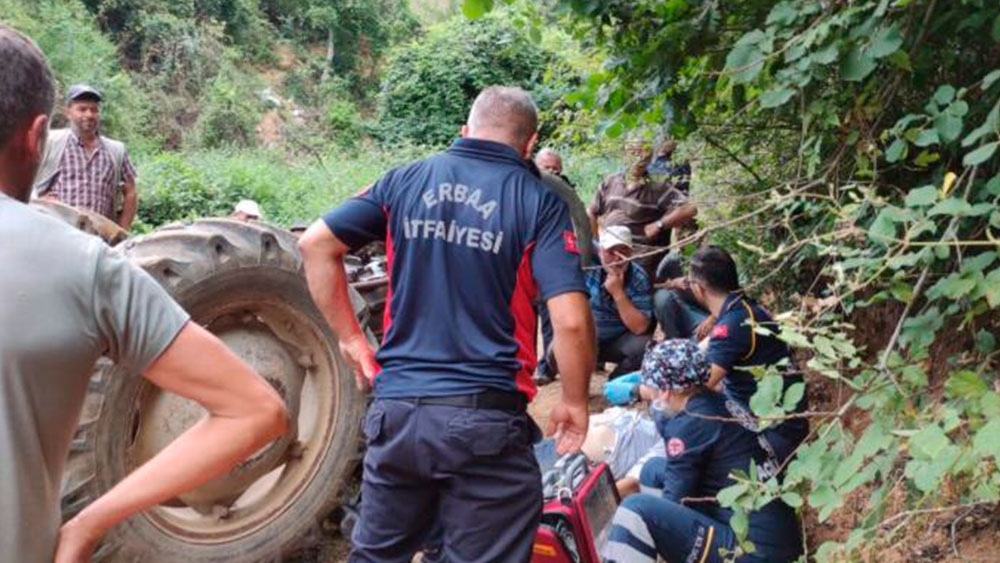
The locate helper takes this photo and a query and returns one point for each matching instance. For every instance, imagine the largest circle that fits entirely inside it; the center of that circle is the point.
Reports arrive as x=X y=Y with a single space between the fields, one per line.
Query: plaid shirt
x=607 y=319
x=86 y=180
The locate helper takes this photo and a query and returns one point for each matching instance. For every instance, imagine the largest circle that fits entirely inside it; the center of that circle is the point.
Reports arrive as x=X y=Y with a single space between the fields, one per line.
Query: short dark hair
x=506 y=108
x=26 y=88
x=714 y=268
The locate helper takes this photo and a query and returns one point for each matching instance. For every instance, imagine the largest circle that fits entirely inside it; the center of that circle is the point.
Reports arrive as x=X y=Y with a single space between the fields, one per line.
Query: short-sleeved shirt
x=635 y=206
x=87 y=179
x=607 y=319
x=577 y=213
x=66 y=299
x=703 y=450
x=735 y=346
x=473 y=240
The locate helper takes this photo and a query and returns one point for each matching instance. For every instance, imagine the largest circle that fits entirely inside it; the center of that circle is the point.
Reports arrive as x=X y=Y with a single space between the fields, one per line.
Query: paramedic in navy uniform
x=473 y=238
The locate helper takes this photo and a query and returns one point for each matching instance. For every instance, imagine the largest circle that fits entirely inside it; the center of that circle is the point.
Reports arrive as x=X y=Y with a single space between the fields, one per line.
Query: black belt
x=495 y=400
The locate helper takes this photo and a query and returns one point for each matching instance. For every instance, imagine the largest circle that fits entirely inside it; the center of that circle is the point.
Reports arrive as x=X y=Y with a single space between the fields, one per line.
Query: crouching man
x=702 y=449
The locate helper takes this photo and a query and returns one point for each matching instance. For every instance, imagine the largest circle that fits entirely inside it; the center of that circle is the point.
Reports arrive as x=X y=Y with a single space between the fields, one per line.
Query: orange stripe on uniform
x=708 y=544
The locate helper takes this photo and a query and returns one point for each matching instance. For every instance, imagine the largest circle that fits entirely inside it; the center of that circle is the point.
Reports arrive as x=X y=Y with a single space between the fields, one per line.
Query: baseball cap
x=78 y=91
x=249 y=207
x=615 y=235
x=676 y=365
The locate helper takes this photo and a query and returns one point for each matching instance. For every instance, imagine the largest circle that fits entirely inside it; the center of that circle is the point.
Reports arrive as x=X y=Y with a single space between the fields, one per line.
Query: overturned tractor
x=243 y=282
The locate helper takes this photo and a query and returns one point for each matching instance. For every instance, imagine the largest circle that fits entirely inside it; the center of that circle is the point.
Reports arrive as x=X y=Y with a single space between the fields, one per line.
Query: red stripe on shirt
x=525 y=328
x=389 y=255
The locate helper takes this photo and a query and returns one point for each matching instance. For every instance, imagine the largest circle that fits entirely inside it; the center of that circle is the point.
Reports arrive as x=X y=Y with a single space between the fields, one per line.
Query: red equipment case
x=580 y=500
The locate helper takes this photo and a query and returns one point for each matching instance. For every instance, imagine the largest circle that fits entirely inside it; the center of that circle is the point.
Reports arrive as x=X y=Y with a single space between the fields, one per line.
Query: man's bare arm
x=323 y=255
x=575 y=350
x=244 y=414
x=634 y=319
x=130 y=203
x=679 y=216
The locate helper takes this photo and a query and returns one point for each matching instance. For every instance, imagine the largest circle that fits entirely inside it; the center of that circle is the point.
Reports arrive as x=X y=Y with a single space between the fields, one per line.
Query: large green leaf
x=954 y=286
x=783 y=13
x=948 y=126
x=929 y=441
x=857 y=65
x=926 y=195
x=885 y=42
x=944 y=94
x=965 y=384
x=990 y=79
x=926 y=138
x=987 y=440
x=776 y=97
x=981 y=155
x=883 y=228
x=474 y=9
x=896 y=151
x=951 y=206
x=744 y=62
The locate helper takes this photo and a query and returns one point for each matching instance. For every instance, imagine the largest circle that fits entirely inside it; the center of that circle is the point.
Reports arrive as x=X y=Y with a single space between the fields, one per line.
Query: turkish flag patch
x=675 y=447
x=720 y=331
x=569 y=241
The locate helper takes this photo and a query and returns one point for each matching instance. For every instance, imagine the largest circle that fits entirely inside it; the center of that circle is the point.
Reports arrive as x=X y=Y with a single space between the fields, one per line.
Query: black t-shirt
x=735 y=346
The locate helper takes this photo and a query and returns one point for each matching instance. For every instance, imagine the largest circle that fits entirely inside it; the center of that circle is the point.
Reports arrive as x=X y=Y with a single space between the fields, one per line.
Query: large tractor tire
x=84 y=220
x=243 y=282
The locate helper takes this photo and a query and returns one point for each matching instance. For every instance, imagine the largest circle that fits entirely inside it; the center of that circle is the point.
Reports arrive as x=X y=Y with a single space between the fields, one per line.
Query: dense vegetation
x=296 y=103
x=865 y=135
x=845 y=149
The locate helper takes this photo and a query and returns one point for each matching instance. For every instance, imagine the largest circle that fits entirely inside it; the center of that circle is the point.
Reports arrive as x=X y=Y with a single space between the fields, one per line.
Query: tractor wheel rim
x=279 y=484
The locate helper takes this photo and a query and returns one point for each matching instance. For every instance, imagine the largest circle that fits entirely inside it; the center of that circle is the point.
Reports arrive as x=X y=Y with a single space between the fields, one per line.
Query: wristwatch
x=659 y=224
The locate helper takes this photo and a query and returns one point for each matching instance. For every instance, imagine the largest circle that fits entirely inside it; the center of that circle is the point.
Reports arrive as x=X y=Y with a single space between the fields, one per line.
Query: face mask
x=661 y=413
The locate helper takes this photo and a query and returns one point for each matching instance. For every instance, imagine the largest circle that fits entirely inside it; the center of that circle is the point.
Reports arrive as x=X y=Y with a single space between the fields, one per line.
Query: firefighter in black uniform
x=706 y=440
x=736 y=344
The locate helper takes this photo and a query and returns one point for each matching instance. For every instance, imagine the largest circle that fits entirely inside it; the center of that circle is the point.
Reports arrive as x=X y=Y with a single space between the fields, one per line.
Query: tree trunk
x=329 y=56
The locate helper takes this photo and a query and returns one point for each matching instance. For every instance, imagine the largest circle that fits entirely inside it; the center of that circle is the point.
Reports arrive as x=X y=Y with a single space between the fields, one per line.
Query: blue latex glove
x=622 y=391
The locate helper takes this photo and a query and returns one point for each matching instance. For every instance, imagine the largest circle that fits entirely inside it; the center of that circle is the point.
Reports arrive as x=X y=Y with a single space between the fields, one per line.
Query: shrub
x=429 y=84
x=230 y=111
x=79 y=52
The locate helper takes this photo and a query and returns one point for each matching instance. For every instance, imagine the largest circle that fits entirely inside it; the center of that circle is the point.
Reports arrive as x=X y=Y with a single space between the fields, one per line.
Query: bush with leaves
x=79 y=52
x=230 y=110
x=867 y=136
x=430 y=83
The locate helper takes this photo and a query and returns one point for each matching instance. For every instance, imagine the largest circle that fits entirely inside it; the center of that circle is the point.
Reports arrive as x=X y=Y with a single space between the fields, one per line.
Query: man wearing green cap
x=648 y=208
x=85 y=169
x=704 y=445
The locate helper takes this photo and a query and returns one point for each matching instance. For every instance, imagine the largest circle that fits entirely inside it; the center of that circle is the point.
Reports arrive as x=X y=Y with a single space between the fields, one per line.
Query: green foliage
x=864 y=135
x=429 y=84
x=188 y=185
x=230 y=111
x=78 y=52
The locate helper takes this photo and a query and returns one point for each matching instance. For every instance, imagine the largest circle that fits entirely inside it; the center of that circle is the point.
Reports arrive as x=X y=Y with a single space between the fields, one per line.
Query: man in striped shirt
x=649 y=209
x=84 y=169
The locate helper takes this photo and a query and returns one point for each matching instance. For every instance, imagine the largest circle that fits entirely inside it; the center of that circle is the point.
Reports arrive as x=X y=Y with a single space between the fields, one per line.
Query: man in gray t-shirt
x=66 y=299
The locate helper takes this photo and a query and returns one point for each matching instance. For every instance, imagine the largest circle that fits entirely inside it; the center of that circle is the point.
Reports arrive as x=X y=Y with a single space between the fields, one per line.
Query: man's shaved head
x=26 y=98
x=505 y=114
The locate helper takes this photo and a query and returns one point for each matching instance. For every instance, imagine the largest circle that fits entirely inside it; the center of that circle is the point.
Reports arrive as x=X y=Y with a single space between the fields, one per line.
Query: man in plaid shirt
x=84 y=169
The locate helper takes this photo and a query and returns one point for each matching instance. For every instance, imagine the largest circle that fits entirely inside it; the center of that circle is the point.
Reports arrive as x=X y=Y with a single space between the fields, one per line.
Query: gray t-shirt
x=66 y=298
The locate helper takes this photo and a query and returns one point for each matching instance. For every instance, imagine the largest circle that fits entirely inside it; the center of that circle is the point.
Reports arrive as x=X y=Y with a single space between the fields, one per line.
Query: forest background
x=844 y=150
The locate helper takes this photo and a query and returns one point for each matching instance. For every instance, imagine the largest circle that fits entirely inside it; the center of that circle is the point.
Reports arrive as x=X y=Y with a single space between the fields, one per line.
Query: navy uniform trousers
x=469 y=474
